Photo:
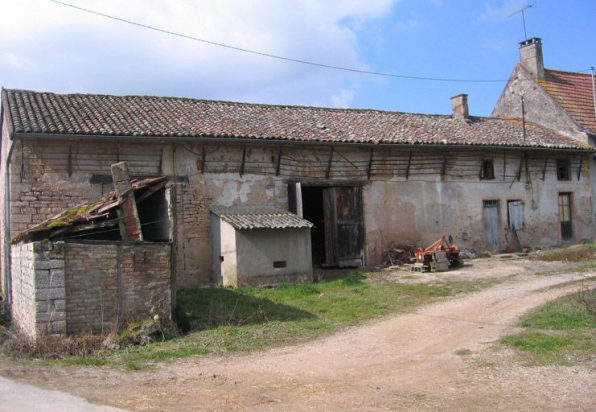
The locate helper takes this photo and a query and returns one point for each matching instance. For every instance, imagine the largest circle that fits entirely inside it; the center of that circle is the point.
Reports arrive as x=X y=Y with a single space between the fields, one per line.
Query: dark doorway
x=565 y=216
x=312 y=203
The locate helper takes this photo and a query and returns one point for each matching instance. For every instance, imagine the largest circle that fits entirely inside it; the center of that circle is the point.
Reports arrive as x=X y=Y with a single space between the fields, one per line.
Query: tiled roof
x=573 y=91
x=261 y=219
x=167 y=117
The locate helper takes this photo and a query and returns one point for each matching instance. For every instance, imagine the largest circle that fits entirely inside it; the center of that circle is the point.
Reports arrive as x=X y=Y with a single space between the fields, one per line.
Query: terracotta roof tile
x=168 y=117
x=573 y=91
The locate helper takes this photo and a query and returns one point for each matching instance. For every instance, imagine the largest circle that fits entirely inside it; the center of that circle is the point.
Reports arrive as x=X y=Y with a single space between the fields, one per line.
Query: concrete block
x=50 y=294
x=50 y=264
x=58 y=327
x=42 y=278
x=42 y=306
x=57 y=277
x=60 y=304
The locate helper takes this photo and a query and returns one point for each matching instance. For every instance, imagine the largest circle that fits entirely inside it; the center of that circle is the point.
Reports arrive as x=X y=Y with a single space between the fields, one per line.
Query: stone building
x=561 y=101
x=364 y=178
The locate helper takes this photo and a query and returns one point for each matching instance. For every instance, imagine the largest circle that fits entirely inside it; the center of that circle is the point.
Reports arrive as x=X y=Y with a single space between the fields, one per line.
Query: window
x=488 y=170
x=563 y=169
x=565 y=216
x=515 y=214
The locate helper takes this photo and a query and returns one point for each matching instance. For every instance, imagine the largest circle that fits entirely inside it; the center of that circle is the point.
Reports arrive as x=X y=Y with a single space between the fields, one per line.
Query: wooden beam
x=203 y=158
x=527 y=167
x=130 y=224
x=69 y=160
x=370 y=160
x=409 y=164
x=243 y=160
x=278 y=165
x=151 y=190
x=328 y=171
x=504 y=164
x=579 y=170
x=444 y=168
x=544 y=168
x=82 y=228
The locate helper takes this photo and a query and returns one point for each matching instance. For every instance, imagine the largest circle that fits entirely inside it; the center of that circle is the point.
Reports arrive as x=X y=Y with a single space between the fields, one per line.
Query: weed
x=463 y=352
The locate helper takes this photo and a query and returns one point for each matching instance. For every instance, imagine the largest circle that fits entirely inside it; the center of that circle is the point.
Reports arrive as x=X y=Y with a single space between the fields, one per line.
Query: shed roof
x=241 y=218
x=88 y=217
x=574 y=93
x=49 y=114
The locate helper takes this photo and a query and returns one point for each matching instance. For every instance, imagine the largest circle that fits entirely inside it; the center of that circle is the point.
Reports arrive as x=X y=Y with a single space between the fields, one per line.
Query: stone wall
x=72 y=288
x=38 y=288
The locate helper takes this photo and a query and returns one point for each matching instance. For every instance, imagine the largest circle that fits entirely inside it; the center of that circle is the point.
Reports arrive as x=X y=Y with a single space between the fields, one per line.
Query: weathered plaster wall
x=229 y=265
x=412 y=196
x=540 y=107
x=258 y=249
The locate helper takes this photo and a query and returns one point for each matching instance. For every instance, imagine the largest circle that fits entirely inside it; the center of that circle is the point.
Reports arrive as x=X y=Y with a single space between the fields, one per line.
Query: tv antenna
x=523 y=13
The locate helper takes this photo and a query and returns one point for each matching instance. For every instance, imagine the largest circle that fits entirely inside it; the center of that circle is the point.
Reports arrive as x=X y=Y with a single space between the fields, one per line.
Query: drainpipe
x=7 y=258
x=593 y=90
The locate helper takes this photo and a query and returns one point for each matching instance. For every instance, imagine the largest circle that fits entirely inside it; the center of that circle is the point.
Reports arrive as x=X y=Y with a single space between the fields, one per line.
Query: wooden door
x=344 y=228
x=491 y=224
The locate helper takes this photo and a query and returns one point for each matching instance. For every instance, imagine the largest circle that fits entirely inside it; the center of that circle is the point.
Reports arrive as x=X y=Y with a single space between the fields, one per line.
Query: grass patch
x=463 y=352
x=252 y=318
x=576 y=253
x=560 y=332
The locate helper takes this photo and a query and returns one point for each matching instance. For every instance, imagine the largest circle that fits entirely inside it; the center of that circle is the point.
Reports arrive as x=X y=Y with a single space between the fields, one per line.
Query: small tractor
x=438 y=257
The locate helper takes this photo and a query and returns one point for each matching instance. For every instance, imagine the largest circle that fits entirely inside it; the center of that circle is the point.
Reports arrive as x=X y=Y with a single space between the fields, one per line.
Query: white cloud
x=81 y=52
x=494 y=14
x=342 y=99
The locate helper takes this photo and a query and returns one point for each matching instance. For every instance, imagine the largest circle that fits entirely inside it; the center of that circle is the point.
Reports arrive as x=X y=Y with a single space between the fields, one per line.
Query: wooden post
x=130 y=224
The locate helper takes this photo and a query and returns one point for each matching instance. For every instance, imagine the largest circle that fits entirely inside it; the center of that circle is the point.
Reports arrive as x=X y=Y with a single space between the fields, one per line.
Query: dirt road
x=407 y=362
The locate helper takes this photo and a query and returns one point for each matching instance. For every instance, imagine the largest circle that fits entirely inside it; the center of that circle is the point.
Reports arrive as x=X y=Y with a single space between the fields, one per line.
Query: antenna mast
x=523 y=13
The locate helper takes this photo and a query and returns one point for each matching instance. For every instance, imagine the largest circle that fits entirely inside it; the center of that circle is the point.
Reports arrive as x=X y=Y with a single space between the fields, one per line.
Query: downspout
x=7 y=257
x=593 y=90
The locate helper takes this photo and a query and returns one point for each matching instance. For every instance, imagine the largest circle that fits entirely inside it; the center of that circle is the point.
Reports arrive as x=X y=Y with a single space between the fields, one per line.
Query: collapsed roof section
x=100 y=219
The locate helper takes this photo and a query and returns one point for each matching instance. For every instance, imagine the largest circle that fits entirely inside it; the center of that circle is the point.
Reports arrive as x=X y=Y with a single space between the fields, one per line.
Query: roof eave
x=278 y=141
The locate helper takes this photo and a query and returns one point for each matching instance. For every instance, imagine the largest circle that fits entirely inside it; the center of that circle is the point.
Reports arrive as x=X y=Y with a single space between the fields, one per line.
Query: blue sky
x=49 y=47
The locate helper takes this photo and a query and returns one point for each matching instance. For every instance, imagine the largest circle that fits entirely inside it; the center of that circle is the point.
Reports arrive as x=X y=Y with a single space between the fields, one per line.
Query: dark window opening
x=563 y=169
x=565 y=216
x=312 y=200
x=154 y=216
x=488 y=170
x=279 y=264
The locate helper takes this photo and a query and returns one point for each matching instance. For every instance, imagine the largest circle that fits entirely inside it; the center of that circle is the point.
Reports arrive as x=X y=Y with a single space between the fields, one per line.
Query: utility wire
x=275 y=56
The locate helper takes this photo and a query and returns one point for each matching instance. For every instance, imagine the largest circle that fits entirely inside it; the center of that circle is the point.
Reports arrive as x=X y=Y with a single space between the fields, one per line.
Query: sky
x=46 y=46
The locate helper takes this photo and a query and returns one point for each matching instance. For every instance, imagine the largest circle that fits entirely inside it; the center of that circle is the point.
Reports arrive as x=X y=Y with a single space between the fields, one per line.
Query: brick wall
x=72 y=288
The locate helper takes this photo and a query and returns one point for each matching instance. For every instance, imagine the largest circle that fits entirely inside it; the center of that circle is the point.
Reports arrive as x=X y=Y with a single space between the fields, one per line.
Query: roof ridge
x=231 y=102
x=568 y=72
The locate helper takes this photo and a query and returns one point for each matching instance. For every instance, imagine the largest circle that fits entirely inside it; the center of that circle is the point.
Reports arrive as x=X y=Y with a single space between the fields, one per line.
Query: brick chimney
x=459 y=104
x=530 y=53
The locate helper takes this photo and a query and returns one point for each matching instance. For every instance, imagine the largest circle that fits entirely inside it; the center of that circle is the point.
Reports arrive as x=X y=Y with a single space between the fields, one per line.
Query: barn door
x=491 y=224
x=344 y=239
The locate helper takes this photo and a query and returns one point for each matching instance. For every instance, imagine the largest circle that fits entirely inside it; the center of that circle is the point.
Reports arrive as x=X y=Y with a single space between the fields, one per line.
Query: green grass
x=560 y=332
x=253 y=318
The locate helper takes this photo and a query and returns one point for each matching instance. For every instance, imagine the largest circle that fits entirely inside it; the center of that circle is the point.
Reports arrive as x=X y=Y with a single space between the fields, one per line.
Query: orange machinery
x=441 y=255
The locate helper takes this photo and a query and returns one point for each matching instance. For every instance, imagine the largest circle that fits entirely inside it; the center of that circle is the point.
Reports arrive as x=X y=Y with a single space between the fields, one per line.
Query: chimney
x=530 y=53
x=459 y=104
